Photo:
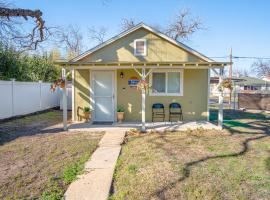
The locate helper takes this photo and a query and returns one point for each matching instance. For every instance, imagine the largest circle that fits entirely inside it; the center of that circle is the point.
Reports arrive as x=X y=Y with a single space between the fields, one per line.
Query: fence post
x=40 y=97
x=12 y=96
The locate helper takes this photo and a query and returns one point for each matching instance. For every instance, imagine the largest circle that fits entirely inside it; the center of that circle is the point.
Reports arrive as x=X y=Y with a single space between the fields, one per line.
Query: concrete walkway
x=95 y=183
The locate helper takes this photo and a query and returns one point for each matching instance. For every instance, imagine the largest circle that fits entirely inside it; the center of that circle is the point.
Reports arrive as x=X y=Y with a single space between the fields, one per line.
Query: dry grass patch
x=200 y=164
x=37 y=161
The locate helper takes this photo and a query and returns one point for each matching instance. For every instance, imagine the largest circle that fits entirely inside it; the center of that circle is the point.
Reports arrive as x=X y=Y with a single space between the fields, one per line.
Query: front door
x=103 y=95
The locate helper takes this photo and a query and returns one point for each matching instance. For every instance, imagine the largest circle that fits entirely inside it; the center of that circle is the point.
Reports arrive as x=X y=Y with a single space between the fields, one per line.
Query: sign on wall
x=133 y=81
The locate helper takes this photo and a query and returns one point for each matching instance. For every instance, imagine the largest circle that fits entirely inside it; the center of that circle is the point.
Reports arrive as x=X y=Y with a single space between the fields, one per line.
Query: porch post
x=64 y=91
x=73 y=94
x=143 y=102
x=220 y=100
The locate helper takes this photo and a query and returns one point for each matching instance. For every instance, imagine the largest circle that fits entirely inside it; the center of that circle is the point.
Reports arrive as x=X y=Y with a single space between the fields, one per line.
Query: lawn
x=229 y=164
x=38 y=159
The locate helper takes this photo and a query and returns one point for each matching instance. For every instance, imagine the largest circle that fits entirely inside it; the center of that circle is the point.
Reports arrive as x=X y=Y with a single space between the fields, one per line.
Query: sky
x=243 y=25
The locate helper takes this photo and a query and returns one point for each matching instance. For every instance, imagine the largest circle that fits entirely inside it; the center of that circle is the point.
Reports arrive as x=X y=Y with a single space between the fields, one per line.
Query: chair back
x=175 y=106
x=157 y=106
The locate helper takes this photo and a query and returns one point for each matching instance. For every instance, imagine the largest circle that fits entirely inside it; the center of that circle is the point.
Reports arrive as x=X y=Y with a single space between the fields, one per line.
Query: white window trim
x=145 y=47
x=181 y=71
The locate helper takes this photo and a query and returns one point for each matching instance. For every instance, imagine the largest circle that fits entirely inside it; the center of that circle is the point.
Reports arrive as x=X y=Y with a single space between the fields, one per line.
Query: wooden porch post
x=64 y=92
x=143 y=102
x=220 y=100
x=143 y=76
x=73 y=94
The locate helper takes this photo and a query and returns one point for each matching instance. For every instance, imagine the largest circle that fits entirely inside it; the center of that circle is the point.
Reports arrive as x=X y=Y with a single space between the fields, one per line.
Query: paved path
x=95 y=183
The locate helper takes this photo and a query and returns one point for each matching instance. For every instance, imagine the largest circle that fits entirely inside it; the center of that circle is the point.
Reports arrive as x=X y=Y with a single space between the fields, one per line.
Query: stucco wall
x=82 y=91
x=193 y=101
x=158 y=50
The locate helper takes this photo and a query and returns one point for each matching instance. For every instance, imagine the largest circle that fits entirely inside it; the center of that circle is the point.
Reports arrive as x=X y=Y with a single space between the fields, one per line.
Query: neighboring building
x=251 y=84
x=214 y=86
x=105 y=77
x=242 y=85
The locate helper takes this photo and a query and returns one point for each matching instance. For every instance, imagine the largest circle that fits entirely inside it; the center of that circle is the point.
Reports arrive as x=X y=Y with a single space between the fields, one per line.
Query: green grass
x=70 y=172
x=197 y=164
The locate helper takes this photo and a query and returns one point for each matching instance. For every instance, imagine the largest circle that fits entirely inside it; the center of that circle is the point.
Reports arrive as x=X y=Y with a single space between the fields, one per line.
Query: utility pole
x=230 y=78
x=230 y=70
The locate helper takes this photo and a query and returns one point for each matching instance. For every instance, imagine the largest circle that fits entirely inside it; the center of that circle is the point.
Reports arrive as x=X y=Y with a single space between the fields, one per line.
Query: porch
x=150 y=126
x=138 y=106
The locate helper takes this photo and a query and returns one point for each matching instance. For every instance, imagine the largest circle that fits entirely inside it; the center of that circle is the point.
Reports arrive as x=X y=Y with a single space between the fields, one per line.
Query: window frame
x=166 y=71
x=145 y=47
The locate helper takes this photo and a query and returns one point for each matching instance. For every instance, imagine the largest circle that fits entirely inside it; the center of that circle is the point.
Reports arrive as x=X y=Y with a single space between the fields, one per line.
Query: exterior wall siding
x=158 y=50
x=193 y=101
x=82 y=92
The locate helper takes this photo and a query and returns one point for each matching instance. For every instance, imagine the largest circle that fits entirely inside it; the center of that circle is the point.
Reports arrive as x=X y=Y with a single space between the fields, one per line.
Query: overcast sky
x=243 y=25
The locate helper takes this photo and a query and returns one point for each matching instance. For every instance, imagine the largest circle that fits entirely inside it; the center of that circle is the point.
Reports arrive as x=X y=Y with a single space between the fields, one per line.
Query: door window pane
x=173 y=82
x=103 y=84
x=159 y=82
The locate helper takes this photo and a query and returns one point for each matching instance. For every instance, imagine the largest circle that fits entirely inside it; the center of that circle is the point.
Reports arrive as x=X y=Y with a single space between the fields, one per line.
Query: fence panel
x=5 y=99
x=20 y=98
x=49 y=98
x=26 y=98
x=254 y=101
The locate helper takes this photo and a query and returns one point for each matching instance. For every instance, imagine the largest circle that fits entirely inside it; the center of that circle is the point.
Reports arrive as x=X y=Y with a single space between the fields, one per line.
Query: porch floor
x=150 y=126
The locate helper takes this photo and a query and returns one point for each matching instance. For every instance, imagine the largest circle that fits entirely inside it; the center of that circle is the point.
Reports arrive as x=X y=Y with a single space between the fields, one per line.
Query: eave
x=143 y=64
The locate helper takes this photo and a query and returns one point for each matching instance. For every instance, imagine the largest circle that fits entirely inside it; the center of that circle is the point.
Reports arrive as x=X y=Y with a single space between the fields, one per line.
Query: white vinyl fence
x=69 y=97
x=20 y=98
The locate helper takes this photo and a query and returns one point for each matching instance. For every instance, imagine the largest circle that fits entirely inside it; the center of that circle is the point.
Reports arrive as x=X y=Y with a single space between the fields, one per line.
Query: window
x=140 y=47
x=167 y=83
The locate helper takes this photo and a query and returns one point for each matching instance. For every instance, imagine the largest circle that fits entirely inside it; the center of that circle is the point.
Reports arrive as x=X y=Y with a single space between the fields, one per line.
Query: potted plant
x=120 y=113
x=86 y=112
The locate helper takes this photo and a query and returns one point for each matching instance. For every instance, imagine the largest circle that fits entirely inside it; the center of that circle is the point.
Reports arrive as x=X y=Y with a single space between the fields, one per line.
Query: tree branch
x=37 y=35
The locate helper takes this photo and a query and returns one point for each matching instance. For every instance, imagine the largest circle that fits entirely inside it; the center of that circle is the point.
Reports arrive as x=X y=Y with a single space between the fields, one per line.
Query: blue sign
x=133 y=82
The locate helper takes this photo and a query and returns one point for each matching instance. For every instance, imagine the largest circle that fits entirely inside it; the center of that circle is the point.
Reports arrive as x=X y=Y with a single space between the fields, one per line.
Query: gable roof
x=150 y=29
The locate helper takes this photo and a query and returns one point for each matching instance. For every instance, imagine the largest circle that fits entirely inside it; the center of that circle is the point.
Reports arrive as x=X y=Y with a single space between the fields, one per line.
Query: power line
x=243 y=57
x=251 y=57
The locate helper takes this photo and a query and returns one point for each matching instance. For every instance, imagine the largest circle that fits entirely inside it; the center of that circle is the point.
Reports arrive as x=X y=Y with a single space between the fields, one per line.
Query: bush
x=23 y=67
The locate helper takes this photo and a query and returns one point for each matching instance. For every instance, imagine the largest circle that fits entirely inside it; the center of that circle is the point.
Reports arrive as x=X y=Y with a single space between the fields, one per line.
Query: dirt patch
x=34 y=152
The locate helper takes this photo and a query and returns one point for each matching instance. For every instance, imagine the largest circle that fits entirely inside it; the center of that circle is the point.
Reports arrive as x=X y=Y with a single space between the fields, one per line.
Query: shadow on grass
x=30 y=125
x=230 y=114
x=262 y=127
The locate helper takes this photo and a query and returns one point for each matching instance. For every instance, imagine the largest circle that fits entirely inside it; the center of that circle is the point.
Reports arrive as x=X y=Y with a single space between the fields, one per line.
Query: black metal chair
x=175 y=111
x=158 y=111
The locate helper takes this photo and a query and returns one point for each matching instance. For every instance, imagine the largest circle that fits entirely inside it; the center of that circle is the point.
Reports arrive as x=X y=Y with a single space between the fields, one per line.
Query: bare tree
x=183 y=26
x=127 y=24
x=261 y=68
x=97 y=34
x=11 y=28
x=70 y=38
x=241 y=73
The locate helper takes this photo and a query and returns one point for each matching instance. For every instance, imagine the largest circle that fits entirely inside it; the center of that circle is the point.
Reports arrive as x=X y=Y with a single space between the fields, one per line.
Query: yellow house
x=105 y=77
